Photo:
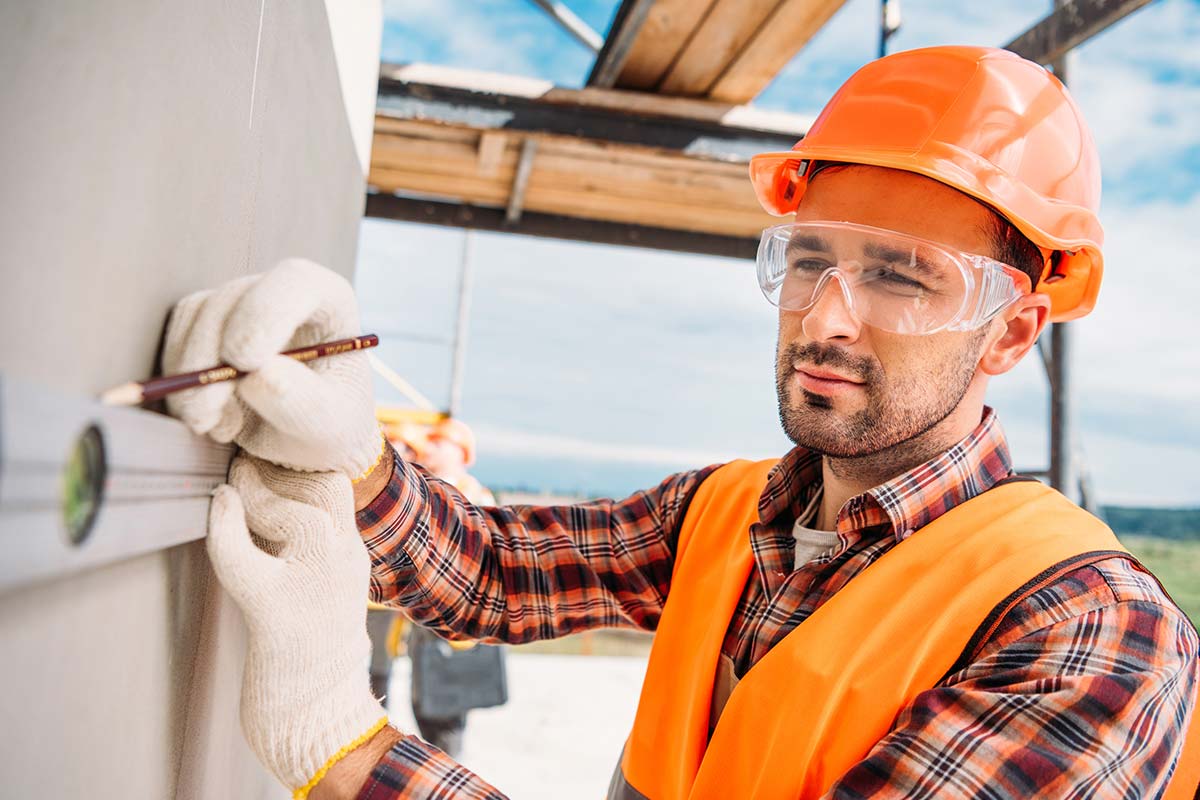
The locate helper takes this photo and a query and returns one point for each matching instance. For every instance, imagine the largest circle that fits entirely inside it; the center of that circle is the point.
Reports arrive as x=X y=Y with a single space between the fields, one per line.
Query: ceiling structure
x=651 y=152
x=670 y=172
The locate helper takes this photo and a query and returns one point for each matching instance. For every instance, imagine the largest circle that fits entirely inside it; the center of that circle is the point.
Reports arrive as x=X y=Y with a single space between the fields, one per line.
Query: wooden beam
x=404 y=142
x=487 y=110
x=640 y=103
x=436 y=185
x=1069 y=26
x=729 y=26
x=665 y=33
x=624 y=30
x=491 y=150
x=676 y=213
x=386 y=206
x=516 y=198
x=791 y=26
x=595 y=180
x=746 y=117
x=555 y=192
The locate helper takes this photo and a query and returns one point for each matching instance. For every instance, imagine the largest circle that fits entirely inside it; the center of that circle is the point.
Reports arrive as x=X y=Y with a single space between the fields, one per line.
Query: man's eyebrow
x=896 y=254
x=808 y=241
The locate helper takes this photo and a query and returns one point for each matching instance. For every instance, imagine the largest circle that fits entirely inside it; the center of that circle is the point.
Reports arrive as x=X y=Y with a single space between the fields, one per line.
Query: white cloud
x=1139 y=86
x=1141 y=339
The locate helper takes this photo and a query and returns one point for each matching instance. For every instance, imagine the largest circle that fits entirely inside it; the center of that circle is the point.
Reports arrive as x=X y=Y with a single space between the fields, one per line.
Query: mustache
x=860 y=368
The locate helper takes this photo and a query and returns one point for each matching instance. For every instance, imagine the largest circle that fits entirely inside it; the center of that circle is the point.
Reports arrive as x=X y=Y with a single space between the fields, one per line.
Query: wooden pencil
x=133 y=393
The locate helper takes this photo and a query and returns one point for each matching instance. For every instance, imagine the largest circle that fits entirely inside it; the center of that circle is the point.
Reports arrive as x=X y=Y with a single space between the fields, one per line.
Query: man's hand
x=311 y=417
x=345 y=779
x=305 y=691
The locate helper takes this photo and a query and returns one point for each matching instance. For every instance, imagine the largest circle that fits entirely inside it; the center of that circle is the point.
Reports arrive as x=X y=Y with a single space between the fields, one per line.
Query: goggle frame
x=990 y=286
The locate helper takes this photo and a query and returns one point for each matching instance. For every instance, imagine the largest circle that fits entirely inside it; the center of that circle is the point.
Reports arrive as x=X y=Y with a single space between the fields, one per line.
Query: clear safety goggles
x=889 y=280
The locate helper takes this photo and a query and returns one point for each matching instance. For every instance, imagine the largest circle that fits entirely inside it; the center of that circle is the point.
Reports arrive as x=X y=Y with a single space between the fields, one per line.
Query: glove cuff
x=345 y=750
x=379 y=456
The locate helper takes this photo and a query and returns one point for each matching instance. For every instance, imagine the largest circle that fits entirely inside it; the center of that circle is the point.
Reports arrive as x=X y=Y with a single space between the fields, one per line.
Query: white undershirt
x=810 y=542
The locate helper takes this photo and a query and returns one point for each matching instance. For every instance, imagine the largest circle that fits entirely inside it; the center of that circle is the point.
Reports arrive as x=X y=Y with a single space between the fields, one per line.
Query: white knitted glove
x=312 y=417
x=306 y=695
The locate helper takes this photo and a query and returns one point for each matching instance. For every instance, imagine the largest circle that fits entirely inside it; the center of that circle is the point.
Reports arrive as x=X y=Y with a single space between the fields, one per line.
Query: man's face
x=847 y=389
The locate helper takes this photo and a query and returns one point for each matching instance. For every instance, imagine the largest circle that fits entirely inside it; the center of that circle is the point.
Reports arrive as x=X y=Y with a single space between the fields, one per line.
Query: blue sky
x=601 y=369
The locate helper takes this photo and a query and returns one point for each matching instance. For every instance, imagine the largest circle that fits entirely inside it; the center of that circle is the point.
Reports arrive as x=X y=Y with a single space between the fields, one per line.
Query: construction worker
x=886 y=611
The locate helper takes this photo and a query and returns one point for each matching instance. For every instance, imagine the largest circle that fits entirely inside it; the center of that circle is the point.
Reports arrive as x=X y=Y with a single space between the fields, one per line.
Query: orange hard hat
x=984 y=121
x=457 y=431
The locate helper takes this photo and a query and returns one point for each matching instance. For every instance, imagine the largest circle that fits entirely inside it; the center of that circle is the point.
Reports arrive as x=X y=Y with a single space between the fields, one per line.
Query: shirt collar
x=790 y=484
x=909 y=501
x=969 y=468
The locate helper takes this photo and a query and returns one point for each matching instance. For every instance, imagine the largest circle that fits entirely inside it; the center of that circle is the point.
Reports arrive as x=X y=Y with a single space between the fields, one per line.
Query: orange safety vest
x=814 y=706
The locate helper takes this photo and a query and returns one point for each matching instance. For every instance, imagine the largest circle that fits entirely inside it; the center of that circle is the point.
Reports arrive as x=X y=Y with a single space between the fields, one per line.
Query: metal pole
x=460 y=331
x=1062 y=422
x=883 y=28
x=889 y=23
x=577 y=28
x=1063 y=473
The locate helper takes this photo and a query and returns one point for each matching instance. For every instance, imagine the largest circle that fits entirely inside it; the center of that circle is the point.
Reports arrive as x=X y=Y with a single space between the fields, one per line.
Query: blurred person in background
x=448 y=450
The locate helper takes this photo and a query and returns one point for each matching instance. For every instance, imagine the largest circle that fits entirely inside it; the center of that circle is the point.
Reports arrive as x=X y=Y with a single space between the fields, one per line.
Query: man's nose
x=831 y=315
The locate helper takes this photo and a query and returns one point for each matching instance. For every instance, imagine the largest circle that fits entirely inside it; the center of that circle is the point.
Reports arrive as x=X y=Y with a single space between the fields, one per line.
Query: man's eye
x=896 y=280
x=808 y=266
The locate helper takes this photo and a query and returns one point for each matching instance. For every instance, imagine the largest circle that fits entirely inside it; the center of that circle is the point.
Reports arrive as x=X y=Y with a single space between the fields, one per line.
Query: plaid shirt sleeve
x=520 y=573
x=1085 y=691
x=416 y=770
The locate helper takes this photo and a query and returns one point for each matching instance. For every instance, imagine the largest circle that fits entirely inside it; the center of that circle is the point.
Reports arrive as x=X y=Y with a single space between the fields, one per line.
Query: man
x=884 y=612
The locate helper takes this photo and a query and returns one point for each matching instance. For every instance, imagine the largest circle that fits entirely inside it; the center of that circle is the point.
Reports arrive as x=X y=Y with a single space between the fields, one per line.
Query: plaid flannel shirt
x=1084 y=690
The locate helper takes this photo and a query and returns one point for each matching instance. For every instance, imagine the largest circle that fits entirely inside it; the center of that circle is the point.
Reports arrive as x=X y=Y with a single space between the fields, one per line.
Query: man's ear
x=1019 y=328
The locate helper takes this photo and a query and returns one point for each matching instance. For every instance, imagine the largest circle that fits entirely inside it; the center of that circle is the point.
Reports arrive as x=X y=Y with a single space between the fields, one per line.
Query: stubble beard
x=894 y=425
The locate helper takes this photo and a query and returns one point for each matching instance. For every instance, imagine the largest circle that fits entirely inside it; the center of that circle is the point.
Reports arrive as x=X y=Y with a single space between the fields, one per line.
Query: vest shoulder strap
x=731 y=493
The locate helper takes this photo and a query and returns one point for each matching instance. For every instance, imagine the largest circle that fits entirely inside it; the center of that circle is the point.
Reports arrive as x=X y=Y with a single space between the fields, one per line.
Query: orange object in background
x=407 y=428
x=456 y=431
x=985 y=121
x=440 y=443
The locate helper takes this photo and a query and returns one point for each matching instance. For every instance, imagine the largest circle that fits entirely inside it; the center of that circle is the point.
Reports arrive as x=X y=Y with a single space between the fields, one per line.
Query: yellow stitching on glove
x=302 y=792
x=382 y=449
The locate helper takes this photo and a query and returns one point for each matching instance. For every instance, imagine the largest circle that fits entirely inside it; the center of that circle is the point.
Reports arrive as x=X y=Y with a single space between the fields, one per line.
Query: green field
x=1177 y=565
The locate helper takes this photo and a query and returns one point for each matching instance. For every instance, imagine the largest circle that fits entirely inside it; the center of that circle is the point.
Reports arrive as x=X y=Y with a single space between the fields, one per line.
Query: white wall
x=148 y=150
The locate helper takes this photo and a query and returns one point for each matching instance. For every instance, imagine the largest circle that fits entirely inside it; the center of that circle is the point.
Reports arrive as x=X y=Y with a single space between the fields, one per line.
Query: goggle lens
x=889 y=280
